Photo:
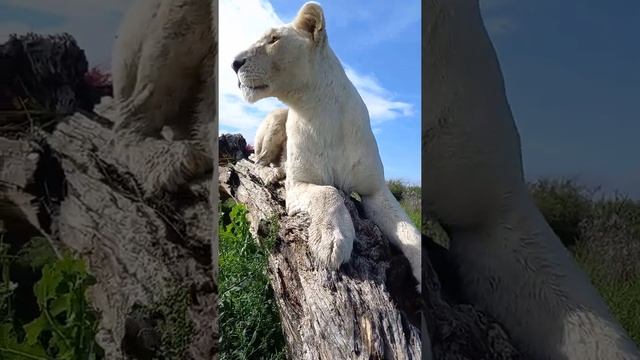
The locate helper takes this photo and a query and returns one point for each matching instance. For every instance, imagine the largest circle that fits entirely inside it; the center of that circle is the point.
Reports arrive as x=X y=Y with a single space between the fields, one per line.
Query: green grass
x=603 y=233
x=622 y=296
x=248 y=316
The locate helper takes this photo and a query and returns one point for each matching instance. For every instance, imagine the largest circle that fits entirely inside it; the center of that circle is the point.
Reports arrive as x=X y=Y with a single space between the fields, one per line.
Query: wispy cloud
x=243 y=22
x=378 y=99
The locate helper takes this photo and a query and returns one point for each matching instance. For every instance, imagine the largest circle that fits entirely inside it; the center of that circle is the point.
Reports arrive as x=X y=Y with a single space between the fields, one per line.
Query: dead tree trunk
x=151 y=256
x=351 y=314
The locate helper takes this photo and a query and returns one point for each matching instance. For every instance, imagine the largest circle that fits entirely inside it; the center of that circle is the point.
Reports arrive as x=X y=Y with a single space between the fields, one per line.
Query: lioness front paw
x=171 y=165
x=331 y=238
x=270 y=175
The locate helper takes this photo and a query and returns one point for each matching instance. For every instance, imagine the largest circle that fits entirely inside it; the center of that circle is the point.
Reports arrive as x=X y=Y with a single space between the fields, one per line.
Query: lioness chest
x=335 y=148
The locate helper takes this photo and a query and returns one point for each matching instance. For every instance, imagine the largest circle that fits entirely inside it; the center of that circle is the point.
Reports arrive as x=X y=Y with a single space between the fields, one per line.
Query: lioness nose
x=237 y=64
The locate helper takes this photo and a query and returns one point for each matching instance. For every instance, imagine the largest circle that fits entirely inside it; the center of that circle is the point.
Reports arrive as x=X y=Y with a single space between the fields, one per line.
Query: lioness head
x=281 y=61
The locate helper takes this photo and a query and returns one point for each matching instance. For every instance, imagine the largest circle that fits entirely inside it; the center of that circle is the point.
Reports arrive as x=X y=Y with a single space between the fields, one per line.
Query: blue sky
x=572 y=73
x=379 y=44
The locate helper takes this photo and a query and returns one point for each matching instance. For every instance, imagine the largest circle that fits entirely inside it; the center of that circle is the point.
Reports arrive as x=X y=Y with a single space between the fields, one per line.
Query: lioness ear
x=310 y=19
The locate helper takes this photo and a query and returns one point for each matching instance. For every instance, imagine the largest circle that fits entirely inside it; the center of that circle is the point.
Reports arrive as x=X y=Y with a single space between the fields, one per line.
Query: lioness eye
x=274 y=39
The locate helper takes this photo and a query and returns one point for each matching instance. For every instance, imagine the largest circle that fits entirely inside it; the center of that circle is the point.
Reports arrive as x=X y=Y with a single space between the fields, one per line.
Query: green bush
x=397 y=188
x=409 y=197
x=564 y=204
x=248 y=315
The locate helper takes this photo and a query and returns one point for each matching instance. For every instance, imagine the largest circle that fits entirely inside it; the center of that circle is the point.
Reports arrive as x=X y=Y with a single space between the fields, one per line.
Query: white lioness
x=330 y=145
x=163 y=68
x=510 y=262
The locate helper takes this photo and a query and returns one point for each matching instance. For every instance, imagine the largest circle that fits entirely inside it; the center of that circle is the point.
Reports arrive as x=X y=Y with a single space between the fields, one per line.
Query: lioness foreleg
x=385 y=211
x=331 y=232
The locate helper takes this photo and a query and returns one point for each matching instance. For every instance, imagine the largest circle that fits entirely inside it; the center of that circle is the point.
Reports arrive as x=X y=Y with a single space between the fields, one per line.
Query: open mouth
x=258 y=87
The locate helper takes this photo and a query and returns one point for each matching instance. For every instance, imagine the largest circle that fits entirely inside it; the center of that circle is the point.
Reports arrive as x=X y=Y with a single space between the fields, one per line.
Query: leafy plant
x=66 y=326
x=249 y=320
x=36 y=253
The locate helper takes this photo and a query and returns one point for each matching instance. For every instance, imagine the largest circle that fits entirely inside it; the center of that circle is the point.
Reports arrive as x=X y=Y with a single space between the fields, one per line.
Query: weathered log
x=357 y=312
x=147 y=254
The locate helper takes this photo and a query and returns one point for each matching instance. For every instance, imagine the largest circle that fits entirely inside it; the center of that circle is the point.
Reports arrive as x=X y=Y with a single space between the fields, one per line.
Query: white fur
x=511 y=263
x=163 y=69
x=270 y=147
x=271 y=139
x=329 y=142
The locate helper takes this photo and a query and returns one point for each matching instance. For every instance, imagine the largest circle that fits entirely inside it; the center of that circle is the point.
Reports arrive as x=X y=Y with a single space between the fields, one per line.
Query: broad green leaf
x=35 y=328
x=10 y=348
x=61 y=304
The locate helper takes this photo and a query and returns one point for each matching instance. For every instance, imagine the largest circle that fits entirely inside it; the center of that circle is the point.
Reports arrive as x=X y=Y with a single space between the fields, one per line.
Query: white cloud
x=378 y=99
x=242 y=23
